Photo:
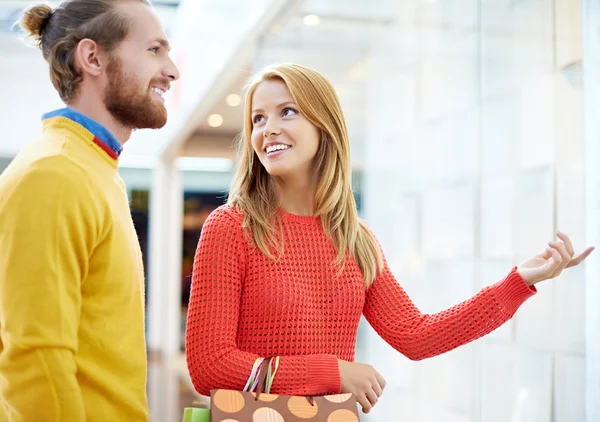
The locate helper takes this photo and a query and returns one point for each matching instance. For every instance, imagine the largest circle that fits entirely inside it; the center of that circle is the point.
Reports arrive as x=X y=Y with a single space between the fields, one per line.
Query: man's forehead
x=145 y=22
x=149 y=31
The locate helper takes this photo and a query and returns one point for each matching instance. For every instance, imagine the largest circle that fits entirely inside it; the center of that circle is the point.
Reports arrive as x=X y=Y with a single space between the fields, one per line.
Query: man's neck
x=103 y=117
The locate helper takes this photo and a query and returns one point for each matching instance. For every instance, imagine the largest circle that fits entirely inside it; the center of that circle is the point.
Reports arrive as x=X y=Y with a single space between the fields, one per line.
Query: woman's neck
x=297 y=196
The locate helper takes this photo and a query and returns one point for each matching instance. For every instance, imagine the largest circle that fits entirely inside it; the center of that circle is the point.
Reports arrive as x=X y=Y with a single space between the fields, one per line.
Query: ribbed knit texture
x=244 y=305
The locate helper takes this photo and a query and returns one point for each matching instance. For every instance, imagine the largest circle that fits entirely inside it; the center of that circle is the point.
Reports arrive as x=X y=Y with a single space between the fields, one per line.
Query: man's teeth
x=273 y=148
x=158 y=91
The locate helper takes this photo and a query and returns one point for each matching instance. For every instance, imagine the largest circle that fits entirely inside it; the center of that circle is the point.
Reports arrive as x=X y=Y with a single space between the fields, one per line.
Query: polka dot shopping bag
x=256 y=406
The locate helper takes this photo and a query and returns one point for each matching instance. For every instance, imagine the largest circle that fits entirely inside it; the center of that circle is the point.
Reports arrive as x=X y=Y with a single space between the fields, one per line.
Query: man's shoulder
x=29 y=167
x=34 y=175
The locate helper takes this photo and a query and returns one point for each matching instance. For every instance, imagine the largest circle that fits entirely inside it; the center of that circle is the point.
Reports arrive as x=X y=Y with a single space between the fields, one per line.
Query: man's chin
x=159 y=117
x=152 y=121
x=138 y=113
x=158 y=123
x=151 y=126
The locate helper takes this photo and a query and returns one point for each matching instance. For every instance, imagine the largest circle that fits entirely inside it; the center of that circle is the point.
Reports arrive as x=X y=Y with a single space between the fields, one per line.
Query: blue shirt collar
x=99 y=131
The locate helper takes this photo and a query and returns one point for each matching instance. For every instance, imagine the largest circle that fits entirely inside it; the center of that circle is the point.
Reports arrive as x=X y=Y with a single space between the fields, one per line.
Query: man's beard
x=128 y=104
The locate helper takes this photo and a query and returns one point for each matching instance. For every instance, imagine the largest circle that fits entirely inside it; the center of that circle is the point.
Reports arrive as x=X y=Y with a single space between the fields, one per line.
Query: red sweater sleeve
x=213 y=359
x=418 y=336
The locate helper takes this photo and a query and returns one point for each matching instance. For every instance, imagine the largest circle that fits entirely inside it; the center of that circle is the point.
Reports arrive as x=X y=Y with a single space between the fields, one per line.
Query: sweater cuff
x=513 y=291
x=323 y=374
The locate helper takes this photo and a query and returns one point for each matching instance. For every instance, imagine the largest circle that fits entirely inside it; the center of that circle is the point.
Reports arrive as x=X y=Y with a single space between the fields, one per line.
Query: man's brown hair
x=59 y=31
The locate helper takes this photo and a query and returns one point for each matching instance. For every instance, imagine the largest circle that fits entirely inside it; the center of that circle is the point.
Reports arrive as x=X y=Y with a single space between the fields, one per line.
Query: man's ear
x=90 y=58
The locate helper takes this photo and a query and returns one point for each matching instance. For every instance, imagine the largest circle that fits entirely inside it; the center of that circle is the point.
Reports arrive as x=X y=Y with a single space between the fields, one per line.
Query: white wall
x=591 y=67
x=26 y=94
x=482 y=134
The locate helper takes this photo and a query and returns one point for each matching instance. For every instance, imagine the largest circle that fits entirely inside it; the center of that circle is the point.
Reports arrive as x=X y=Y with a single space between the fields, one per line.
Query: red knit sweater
x=244 y=305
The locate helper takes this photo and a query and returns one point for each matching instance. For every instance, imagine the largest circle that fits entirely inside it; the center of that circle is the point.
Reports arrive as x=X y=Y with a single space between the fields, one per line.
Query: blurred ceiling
x=10 y=11
x=333 y=37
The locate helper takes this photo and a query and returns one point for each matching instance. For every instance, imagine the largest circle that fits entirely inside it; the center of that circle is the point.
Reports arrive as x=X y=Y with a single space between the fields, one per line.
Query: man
x=72 y=344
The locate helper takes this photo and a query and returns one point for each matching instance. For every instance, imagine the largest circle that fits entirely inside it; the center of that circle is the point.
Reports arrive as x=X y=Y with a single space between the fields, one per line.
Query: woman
x=286 y=268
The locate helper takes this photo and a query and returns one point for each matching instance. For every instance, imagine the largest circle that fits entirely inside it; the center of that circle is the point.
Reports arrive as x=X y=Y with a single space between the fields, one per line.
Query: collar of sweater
x=102 y=137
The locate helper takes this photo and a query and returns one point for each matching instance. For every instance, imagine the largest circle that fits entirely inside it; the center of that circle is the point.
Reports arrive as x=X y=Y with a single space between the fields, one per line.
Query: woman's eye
x=288 y=111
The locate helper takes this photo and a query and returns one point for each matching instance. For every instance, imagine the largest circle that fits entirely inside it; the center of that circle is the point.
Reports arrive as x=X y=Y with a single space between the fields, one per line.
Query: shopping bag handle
x=262 y=380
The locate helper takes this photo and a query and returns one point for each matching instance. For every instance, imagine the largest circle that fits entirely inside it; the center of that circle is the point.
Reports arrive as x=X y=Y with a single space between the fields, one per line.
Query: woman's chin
x=277 y=171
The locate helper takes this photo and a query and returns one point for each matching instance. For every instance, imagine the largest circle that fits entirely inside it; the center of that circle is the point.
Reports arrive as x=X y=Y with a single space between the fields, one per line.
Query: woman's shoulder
x=222 y=233
x=223 y=224
x=225 y=215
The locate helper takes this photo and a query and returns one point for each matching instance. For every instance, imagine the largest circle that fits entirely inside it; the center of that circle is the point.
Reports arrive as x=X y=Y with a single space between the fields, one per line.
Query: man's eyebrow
x=163 y=43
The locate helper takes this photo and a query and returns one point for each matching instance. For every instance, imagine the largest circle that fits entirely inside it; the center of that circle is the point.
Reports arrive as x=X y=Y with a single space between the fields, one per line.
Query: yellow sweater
x=72 y=345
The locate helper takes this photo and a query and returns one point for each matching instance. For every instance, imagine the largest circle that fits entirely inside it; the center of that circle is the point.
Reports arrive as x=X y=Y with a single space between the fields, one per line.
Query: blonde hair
x=253 y=190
